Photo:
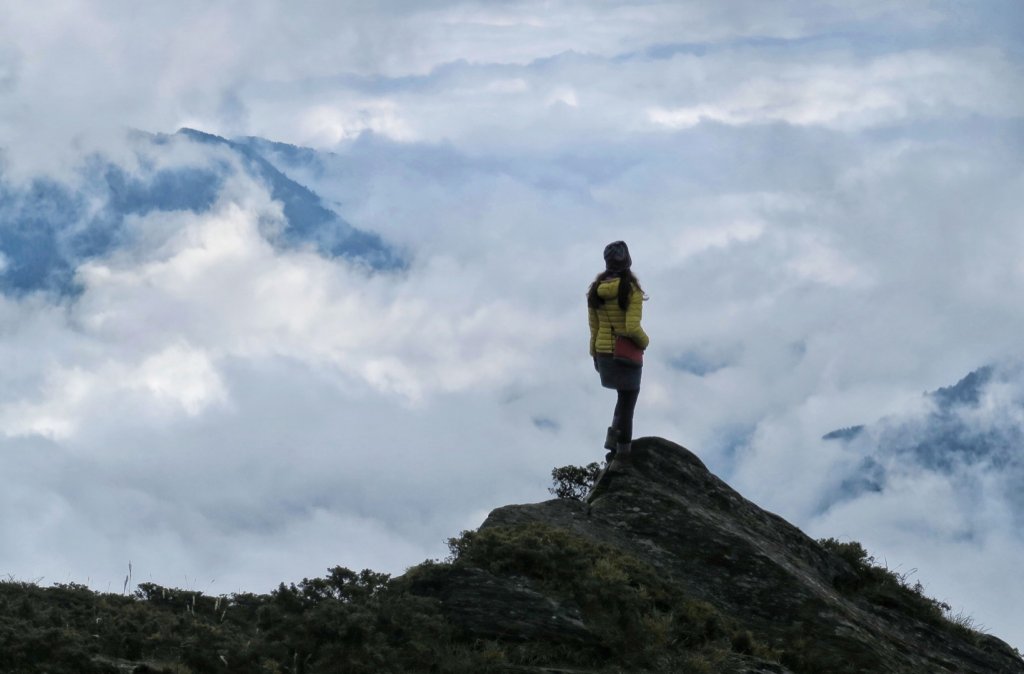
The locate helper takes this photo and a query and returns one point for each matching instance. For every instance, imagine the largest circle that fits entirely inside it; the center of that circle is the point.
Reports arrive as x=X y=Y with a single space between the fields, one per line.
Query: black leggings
x=623 y=419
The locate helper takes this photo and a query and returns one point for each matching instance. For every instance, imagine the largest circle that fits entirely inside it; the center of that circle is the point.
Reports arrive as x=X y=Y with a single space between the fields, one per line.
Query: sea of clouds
x=823 y=206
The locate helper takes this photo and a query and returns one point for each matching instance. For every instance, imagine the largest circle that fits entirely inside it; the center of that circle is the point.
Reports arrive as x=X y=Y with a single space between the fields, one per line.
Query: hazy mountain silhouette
x=48 y=227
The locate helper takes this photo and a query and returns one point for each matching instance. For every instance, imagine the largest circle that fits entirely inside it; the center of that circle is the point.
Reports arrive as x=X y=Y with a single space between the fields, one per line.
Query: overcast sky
x=823 y=204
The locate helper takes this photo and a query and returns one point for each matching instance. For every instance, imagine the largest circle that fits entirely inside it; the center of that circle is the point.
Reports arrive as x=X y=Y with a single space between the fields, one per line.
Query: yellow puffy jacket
x=608 y=320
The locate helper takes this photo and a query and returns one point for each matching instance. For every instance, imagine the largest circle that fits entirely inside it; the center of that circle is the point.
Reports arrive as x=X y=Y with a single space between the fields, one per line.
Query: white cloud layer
x=823 y=205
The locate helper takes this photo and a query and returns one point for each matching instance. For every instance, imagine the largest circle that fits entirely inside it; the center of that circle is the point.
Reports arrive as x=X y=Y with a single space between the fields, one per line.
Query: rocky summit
x=667 y=568
x=663 y=569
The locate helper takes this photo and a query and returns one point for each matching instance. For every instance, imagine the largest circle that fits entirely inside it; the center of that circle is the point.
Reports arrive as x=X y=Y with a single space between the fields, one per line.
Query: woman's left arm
x=633 y=315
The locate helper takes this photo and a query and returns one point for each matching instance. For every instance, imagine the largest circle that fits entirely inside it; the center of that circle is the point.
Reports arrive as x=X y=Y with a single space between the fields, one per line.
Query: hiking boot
x=621 y=456
x=611 y=439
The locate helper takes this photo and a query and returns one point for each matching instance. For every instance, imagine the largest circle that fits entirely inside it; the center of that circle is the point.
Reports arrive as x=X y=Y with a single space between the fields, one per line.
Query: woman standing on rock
x=614 y=302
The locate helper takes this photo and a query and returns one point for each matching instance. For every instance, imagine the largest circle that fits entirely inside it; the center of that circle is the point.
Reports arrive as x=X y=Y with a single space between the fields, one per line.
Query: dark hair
x=627 y=281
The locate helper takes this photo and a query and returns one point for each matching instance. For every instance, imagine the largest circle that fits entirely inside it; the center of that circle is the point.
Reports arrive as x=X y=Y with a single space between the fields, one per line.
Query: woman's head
x=617 y=264
x=616 y=257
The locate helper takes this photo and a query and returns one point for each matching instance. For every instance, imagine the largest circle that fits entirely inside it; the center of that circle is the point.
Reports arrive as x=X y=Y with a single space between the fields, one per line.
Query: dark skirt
x=618 y=376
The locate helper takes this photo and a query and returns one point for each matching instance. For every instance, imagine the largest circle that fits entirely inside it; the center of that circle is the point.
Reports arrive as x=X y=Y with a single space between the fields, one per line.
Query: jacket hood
x=608 y=289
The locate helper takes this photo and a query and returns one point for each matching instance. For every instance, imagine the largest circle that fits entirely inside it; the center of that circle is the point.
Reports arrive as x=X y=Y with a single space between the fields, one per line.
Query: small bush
x=574 y=482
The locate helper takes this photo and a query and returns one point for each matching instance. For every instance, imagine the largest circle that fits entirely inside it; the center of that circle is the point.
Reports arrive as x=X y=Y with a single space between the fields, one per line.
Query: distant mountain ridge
x=309 y=220
x=953 y=433
x=48 y=228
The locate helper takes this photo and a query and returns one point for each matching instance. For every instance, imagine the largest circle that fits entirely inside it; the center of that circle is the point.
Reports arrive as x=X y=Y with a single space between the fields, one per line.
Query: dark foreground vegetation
x=368 y=622
x=635 y=616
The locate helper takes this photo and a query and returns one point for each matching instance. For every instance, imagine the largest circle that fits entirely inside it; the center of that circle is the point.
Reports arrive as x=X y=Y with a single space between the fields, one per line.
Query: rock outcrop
x=789 y=604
